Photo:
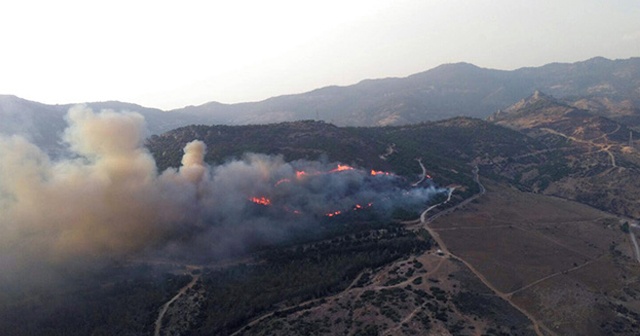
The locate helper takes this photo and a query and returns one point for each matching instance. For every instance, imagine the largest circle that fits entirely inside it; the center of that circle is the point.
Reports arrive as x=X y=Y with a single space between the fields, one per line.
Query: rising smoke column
x=109 y=201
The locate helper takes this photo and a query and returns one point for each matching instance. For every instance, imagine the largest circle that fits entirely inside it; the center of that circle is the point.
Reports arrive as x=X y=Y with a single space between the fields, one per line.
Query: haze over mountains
x=449 y=90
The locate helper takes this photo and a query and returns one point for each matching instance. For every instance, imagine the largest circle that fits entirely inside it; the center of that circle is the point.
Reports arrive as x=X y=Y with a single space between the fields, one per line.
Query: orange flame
x=335 y=213
x=342 y=168
x=378 y=172
x=260 y=200
x=360 y=207
x=300 y=174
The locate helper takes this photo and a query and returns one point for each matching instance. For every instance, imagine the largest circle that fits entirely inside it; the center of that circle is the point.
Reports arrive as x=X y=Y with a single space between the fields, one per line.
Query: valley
x=406 y=215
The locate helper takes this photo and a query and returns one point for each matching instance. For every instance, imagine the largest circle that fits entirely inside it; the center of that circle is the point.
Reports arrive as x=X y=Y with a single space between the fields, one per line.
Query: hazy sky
x=169 y=54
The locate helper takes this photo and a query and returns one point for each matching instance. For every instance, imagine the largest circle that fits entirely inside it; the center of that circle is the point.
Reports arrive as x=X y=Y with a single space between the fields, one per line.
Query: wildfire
x=335 y=213
x=378 y=172
x=300 y=174
x=360 y=207
x=342 y=168
x=355 y=208
x=260 y=200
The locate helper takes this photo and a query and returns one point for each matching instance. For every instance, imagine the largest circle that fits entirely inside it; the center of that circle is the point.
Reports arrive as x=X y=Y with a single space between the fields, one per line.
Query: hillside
x=596 y=158
x=562 y=150
x=478 y=257
x=447 y=147
x=557 y=247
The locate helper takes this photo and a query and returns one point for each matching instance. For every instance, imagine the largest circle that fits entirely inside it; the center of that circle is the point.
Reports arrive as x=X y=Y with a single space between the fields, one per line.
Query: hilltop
x=594 y=158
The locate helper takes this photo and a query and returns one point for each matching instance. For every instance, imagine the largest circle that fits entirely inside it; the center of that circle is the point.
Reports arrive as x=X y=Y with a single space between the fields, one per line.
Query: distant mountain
x=607 y=87
x=40 y=123
x=43 y=124
x=449 y=90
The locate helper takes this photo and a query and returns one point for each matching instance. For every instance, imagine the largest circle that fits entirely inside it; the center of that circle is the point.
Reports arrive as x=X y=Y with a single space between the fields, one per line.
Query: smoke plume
x=109 y=201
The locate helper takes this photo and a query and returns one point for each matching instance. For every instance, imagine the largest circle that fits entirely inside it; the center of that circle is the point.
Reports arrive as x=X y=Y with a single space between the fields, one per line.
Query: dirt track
x=165 y=307
x=635 y=242
x=425 y=222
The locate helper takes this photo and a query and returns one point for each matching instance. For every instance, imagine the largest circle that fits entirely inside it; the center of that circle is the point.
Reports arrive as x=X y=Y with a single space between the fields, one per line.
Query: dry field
x=569 y=265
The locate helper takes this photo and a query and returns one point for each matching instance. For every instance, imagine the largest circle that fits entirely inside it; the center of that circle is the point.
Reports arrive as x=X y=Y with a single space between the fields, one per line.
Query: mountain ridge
x=442 y=92
x=449 y=90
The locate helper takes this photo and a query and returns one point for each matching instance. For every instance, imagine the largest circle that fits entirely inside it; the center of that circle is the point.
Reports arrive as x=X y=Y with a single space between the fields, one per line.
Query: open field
x=569 y=265
x=598 y=299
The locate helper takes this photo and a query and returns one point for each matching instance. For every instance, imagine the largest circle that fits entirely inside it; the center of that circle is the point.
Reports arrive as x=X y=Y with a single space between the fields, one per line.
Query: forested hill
x=448 y=148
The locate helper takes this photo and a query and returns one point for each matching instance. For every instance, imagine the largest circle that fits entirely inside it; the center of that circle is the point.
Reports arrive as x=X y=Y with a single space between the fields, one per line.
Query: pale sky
x=169 y=54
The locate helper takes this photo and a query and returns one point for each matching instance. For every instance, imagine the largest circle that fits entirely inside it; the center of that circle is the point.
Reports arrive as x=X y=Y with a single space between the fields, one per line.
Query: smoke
x=109 y=201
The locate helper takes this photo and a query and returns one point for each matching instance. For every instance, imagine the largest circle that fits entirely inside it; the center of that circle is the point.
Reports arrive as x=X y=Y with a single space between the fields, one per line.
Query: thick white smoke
x=110 y=201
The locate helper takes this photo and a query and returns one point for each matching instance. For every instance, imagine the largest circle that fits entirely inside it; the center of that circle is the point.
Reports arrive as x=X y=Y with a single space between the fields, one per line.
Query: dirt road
x=424 y=173
x=443 y=247
x=164 y=308
x=601 y=147
x=634 y=241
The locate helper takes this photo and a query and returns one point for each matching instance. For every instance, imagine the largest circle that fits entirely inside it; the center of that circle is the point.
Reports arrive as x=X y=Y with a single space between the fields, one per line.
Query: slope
x=588 y=158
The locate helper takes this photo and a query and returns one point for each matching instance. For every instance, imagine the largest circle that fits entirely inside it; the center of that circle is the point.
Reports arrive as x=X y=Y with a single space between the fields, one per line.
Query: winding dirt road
x=601 y=147
x=634 y=241
x=165 y=307
x=443 y=247
x=424 y=173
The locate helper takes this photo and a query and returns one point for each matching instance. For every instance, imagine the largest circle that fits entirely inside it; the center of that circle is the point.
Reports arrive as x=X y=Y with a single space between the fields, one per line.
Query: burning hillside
x=319 y=189
x=110 y=200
